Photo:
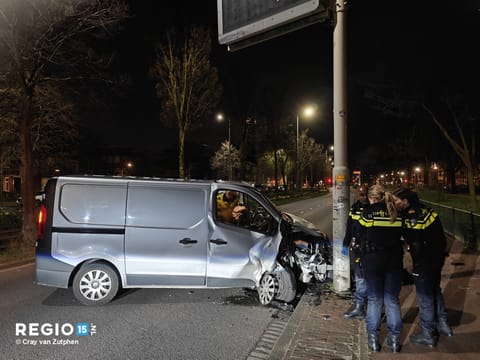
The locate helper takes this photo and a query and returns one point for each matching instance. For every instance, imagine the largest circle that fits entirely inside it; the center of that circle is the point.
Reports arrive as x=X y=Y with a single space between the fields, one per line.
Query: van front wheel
x=95 y=284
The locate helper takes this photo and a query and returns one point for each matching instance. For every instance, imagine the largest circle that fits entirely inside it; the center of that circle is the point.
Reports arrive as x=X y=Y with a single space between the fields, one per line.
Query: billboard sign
x=243 y=23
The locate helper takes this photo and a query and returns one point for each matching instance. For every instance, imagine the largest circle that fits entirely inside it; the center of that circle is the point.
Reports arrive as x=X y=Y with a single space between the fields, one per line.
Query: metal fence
x=462 y=225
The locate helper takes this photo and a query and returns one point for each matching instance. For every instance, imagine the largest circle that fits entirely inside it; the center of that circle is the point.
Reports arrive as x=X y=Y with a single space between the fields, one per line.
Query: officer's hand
x=345 y=250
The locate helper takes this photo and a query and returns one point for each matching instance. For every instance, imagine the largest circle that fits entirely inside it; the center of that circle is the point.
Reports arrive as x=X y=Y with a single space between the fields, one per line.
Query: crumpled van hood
x=301 y=224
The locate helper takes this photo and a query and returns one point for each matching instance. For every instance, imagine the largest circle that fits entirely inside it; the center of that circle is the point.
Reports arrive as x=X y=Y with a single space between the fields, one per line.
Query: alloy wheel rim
x=268 y=289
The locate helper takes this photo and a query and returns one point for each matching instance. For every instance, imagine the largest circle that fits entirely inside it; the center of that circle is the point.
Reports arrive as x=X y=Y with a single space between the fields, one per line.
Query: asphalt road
x=317 y=210
x=41 y=323
x=140 y=324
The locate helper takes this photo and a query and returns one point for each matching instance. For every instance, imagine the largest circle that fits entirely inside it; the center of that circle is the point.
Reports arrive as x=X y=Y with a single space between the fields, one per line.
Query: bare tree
x=281 y=160
x=186 y=83
x=462 y=141
x=225 y=160
x=54 y=119
x=455 y=117
x=8 y=135
x=45 y=41
x=309 y=153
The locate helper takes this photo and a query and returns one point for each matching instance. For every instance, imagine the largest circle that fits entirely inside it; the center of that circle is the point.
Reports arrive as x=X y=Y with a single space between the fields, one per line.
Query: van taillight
x=42 y=220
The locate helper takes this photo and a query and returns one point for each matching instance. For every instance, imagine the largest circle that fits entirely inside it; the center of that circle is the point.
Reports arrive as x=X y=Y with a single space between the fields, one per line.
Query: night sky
x=390 y=44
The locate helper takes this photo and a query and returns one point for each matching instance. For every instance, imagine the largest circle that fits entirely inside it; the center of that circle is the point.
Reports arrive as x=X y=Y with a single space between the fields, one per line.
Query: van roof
x=146 y=179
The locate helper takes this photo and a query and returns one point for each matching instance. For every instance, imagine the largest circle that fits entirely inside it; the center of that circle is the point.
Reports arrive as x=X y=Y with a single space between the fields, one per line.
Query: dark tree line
x=49 y=49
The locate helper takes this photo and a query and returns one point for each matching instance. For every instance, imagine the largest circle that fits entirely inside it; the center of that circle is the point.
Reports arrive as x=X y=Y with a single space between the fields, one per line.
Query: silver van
x=98 y=234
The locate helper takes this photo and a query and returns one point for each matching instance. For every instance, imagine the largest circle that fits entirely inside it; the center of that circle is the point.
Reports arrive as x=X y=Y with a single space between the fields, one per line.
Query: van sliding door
x=166 y=235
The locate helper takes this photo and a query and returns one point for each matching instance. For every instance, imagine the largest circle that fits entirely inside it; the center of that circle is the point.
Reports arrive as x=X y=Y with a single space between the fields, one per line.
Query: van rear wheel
x=95 y=284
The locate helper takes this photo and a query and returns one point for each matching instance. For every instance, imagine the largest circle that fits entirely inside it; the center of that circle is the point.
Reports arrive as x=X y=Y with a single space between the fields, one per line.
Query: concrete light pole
x=341 y=174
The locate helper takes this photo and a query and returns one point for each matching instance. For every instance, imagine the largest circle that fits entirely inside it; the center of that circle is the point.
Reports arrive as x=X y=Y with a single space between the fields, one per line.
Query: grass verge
x=17 y=253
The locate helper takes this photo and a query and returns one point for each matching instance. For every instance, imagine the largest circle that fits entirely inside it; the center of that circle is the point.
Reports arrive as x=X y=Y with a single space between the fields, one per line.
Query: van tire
x=95 y=284
x=287 y=286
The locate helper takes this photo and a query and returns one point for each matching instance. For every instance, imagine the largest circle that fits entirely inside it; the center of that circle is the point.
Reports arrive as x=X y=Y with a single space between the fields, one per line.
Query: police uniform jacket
x=382 y=244
x=425 y=238
x=353 y=228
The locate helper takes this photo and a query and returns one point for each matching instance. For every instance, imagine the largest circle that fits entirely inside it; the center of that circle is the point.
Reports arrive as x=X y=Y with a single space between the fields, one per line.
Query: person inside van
x=229 y=209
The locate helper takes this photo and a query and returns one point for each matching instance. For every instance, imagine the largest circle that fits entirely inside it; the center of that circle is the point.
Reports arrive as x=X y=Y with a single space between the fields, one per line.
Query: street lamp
x=328 y=161
x=126 y=169
x=417 y=176
x=221 y=118
x=307 y=112
x=326 y=153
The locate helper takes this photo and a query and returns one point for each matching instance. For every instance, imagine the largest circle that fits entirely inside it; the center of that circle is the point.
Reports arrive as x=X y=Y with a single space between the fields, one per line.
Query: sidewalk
x=318 y=330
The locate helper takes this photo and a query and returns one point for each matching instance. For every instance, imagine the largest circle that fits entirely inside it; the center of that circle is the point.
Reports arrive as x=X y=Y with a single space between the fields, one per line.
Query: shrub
x=9 y=218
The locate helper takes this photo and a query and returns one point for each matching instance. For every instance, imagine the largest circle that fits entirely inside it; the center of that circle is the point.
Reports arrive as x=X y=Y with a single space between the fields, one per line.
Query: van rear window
x=93 y=204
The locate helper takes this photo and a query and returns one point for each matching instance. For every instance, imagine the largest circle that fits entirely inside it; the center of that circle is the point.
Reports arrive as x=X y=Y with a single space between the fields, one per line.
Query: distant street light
x=307 y=112
x=127 y=169
x=417 y=176
x=326 y=153
x=221 y=118
x=328 y=161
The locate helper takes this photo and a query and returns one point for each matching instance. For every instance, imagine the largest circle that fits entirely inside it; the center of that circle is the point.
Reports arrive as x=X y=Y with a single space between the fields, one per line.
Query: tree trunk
x=243 y=151
x=1 y=179
x=275 y=167
x=284 y=177
x=181 y=154
x=471 y=184
x=451 y=178
x=311 y=176
x=26 y=170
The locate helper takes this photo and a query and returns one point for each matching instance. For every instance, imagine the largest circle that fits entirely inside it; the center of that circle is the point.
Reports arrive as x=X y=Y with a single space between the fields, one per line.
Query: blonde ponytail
x=378 y=193
x=390 y=202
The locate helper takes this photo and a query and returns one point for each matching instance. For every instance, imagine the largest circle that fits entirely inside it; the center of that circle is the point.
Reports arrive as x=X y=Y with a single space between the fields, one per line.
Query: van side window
x=161 y=207
x=239 y=209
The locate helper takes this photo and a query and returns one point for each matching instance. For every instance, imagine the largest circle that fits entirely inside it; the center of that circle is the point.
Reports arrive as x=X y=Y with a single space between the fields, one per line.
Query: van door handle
x=218 y=241
x=187 y=241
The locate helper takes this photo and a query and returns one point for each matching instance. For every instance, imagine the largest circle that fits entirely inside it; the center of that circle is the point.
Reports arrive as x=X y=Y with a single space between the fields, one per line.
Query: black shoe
x=393 y=341
x=424 y=337
x=443 y=328
x=357 y=311
x=373 y=343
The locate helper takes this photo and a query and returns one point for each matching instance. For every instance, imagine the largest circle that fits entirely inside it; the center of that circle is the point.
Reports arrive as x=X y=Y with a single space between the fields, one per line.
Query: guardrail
x=8 y=235
x=461 y=224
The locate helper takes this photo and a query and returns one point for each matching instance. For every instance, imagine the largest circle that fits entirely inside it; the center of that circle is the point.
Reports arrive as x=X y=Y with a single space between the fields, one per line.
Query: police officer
x=352 y=240
x=383 y=265
x=423 y=232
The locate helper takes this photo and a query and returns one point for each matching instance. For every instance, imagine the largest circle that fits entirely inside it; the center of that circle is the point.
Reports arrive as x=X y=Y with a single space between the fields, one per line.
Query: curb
x=315 y=341
x=283 y=344
x=13 y=264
